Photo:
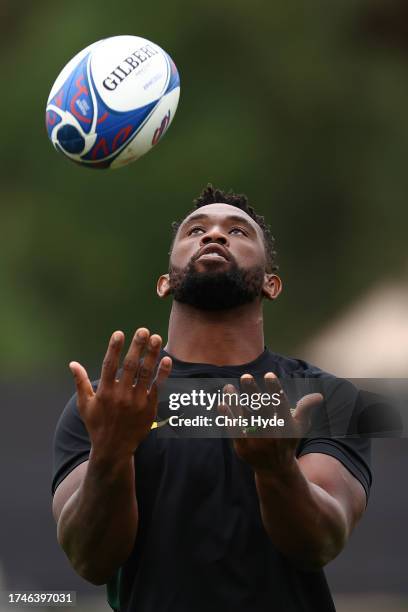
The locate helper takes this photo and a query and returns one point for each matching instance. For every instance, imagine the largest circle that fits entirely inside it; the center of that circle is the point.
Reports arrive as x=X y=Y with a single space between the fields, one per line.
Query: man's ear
x=163 y=286
x=272 y=286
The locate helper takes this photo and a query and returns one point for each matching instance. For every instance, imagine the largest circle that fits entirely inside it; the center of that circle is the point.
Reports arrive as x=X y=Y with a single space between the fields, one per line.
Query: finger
x=231 y=410
x=303 y=413
x=231 y=401
x=83 y=384
x=111 y=361
x=248 y=388
x=248 y=384
x=163 y=371
x=274 y=388
x=131 y=362
x=148 y=366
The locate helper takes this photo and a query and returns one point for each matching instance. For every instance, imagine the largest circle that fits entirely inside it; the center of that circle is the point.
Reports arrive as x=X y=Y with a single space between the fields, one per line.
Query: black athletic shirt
x=201 y=545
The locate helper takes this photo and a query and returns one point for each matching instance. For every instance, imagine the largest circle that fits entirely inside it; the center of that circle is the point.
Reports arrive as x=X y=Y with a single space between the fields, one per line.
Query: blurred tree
x=386 y=23
x=291 y=104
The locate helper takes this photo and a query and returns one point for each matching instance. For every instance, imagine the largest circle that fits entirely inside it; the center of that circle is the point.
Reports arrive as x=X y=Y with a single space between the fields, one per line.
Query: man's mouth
x=212 y=255
x=213 y=252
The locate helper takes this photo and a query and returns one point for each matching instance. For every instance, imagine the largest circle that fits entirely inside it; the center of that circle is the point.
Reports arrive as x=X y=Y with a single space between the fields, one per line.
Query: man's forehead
x=220 y=211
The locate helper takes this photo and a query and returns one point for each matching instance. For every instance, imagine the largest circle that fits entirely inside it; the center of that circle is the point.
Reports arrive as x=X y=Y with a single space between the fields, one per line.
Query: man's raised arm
x=95 y=505
x=309 y=506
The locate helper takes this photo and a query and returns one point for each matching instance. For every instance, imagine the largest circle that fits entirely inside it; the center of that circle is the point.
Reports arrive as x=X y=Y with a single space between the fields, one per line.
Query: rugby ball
x=112 y=102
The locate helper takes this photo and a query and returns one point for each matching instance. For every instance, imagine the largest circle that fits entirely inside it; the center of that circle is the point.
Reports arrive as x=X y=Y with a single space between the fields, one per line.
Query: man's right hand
x=120 y=413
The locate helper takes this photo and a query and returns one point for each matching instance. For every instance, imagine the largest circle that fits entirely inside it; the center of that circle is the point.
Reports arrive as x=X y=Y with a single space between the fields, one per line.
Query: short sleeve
x=353 y=453
x=335 y=429
x=71 y=443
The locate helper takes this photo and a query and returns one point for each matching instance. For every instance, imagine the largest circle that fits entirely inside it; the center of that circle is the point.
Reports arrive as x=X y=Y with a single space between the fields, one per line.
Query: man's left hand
x=272 y=450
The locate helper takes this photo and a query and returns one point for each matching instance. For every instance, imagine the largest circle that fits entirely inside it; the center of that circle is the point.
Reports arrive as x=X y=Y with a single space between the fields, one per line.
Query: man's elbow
x=312 y=563
x=91 y=570
x=93 y=575
x=313 y=560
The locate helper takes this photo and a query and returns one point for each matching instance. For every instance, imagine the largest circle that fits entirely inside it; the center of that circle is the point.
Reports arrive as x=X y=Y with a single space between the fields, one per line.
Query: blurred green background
x=300 y=105
x=303 y=106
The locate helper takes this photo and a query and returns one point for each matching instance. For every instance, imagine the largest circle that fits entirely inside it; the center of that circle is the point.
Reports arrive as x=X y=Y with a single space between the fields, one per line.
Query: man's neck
x=231 y=337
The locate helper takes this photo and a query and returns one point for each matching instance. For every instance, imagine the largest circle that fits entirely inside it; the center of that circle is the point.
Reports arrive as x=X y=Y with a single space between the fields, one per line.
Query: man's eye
x=238 y=229
x=194 y=230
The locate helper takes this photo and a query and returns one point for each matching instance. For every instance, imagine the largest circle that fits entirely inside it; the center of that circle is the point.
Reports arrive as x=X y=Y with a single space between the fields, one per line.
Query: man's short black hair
x=212 y=195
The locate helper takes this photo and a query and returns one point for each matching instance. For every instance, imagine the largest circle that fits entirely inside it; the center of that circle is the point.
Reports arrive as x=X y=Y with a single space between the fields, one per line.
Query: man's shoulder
x=293 y=366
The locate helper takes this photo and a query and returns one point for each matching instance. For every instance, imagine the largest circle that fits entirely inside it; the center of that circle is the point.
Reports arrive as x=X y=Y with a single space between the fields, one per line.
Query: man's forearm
x=304 y=522
x=98 y=524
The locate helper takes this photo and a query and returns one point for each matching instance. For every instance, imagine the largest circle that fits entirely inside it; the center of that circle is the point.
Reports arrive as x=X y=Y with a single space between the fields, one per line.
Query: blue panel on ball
x=174 y=76
x=73 y=97
x=51 y=120
x=70 y=139
x=79 y=101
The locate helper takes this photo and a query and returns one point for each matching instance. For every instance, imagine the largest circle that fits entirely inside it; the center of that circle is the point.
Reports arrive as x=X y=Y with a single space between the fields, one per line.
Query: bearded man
x=176 y=524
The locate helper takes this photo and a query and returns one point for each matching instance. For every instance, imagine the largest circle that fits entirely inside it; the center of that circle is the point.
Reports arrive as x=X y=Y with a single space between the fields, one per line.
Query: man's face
x=218 y=259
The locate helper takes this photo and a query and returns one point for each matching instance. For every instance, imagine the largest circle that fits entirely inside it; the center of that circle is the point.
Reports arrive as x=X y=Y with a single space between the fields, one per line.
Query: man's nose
x=214 y=235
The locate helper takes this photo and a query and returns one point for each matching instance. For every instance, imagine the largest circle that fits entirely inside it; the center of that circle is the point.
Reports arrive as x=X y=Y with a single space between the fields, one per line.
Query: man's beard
x=216 y=290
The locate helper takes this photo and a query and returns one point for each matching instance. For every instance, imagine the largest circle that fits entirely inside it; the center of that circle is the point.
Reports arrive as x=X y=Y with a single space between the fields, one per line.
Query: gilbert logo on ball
x=113 y=102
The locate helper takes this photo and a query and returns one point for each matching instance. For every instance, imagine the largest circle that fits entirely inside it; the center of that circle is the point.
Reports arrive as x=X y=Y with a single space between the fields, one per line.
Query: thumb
x=82 y=382
x=304 y=407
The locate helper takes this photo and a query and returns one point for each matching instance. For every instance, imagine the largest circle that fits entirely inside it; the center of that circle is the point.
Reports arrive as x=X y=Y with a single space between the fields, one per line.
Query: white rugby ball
x=112 y=102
